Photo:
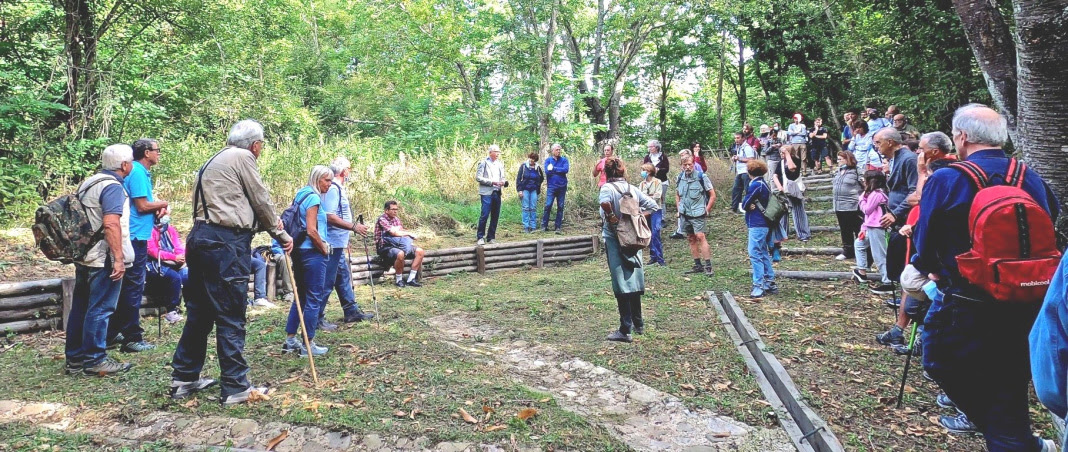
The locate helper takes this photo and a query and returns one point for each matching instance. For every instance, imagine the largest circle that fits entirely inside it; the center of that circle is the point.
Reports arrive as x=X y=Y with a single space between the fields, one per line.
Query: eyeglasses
x=156 y=150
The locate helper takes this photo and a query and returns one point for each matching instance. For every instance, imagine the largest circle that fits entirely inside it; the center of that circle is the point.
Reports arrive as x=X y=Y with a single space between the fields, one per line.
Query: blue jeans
x=491 y=208
x=219 y=261
x=558 y=194
x=656 y=247
x=741 y=182
x=95 y=297
x=343 y=286
x=259 y=277
x=530 y=209
x=166 y=283
x=760 y=257
x=127 y=317
x=978 y=353
x=309 y=268
x=335 y=269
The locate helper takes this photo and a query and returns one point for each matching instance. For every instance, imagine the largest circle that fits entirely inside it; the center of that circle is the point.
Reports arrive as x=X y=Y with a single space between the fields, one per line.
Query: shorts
x=693 y=225
x=817 y=153
x=912 y=282
x=392 y=246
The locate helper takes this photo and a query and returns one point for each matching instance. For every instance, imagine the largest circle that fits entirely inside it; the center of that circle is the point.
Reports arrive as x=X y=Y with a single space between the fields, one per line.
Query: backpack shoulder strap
x=973 y=172
x=620 y=191
x=94 y=183
x=339 y=195
x=1014 y=176
x=198 y=196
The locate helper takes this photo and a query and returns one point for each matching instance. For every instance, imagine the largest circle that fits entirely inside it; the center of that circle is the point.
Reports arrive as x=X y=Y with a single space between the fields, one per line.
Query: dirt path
x=641 y=416
x=208 y=433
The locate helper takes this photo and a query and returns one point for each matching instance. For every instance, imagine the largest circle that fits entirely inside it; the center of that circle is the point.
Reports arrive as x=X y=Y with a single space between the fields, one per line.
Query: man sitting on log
x=394 y=244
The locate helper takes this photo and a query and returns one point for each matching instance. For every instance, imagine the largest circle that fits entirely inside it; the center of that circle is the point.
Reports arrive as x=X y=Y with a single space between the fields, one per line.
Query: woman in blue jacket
x=528 y=179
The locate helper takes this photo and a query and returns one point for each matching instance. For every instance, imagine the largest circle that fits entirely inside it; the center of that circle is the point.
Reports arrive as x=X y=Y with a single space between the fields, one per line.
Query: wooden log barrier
x=824 y=228
x=824 y=276
x=25 y=326
x=30 y=287
x=819 y=251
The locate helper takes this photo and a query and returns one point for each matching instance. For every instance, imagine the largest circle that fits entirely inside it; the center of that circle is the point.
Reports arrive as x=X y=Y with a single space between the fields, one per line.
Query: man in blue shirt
x=974 y=347
x=556 y=168
x=125 y=325
x=339 y=225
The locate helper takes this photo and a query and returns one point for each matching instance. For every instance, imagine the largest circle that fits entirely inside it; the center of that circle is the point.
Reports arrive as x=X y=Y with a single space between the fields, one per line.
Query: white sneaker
x=391 y=271
x=172 y=317
x=288 y=298
x=840 y=257
x=480 y=242
x=262 y=303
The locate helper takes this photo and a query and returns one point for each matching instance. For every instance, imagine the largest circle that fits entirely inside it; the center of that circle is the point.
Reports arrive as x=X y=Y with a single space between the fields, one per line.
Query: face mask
x=645 y=174
x=776 y=127
x=165 y=220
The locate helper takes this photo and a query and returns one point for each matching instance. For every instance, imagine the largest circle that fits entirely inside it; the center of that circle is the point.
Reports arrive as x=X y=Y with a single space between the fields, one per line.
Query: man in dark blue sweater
x=901 y=183
x=974 y=347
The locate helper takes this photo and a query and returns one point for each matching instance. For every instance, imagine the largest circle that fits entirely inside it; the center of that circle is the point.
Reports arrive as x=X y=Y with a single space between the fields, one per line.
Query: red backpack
x=1014 y=251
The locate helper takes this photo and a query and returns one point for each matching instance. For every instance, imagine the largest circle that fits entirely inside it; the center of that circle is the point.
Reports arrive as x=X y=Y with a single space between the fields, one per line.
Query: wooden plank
x=819 y=251
x=469 y=268
x=67 y=288
x=824 y=276
x=25 y=326
x=821 y=198
x=9 y=315
x=540 y=254
x=31 y=301
x=510 y=251
x=480 y=253
x=821 y=212
x=31 y=287
x=510 y=257
x=596 y=241
x=818 y=188
x=272 y=280
x=824 y=229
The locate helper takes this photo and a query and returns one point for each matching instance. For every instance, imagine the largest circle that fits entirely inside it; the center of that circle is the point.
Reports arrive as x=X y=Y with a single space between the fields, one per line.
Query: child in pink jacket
x=872 y=234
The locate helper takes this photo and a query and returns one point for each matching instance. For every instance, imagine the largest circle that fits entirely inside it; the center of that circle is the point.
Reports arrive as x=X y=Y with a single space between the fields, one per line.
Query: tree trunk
x=719 y=90
x=992 y=43
x=546 y=106
x=665 y=86
x=741 y=80
x=1043 y=94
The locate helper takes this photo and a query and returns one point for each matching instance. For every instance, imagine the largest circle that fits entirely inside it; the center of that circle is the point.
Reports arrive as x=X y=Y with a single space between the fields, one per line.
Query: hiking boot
x=958 y=424
x=639 y=329
x=943 y=401
x=859 y=276
x=480 y=242
x=708 y=272
x=183 y=389
x=359 y=316
x=757 y=292
x=677 y=236
x=414 y=283
x=902 y=349
x=559 y=231
x=927 y=376
x=770 y=288
x=881 y=289
x=136 y=347
x=262 y=303
x=243 y=396
x=292 y=345
x=400 y=283
x=893 y=303
x=895 y=336
x=694 y=270
x=115 y=341
x=107 y=367
x=172 y=317
x=315 y=349
x=72 y=369
x=325 y=325
x=616 y=336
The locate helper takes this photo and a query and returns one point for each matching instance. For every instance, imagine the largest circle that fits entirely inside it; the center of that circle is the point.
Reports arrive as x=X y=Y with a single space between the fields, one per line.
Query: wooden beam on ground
x=540 y=252
x=824 y=275
x=819 y=188
x=821 y=212
x=819 y=251
x=30 y=287
x=821 y=198
x=480 y=255
x=824 y=228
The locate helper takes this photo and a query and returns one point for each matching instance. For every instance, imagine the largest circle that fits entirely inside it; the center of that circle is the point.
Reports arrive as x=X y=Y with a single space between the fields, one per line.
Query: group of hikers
x=974 y=335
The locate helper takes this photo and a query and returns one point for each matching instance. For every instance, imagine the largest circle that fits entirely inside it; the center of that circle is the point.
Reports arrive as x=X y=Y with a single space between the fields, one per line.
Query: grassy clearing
x=22 y=437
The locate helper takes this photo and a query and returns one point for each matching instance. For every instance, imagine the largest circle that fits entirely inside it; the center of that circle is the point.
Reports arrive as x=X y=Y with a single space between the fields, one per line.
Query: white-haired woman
x=311 y=252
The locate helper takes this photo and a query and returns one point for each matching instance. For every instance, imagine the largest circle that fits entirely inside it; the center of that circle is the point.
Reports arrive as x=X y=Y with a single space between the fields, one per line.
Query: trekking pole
x=300 y=315
x=370 y=276
x=908 y=360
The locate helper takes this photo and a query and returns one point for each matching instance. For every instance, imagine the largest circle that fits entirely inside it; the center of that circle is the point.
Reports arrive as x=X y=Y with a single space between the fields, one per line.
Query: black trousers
x=849 y=223
x=741 y=182
x=630 y=312
x=895 y=255
x=220 y=262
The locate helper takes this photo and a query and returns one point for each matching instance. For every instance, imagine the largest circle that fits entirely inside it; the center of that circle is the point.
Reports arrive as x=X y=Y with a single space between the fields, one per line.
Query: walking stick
x=300 y=315
x=908 y=360
x=370 y=276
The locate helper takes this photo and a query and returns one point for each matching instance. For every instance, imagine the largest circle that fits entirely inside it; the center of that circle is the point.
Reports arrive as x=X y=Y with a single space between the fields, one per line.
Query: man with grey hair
x=556 y=168
x=974 y=346
x=900 y=184
x=490 y=177
x=339 y=224
x=98 y=277
x=230 y=204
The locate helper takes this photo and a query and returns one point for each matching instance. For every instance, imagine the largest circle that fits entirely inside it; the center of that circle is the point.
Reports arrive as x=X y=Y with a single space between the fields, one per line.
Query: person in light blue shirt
x=309 y=262
x=339 y=226
x=125 y=324
x=863 y=148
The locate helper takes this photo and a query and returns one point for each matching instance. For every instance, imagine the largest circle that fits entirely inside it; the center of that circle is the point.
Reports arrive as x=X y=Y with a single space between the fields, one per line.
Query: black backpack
x=292 y=223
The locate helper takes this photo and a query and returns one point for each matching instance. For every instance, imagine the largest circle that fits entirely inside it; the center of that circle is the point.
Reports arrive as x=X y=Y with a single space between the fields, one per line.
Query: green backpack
x=776 y=207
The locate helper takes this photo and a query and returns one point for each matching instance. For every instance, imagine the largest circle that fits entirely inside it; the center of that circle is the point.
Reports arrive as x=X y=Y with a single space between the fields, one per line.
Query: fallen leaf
x=494 y=428
x=354 y=402
x=406 y=400
x=545 y=400
x=256 y=396
x=191 y=404
x=467 y=417
x=278 y=439
x=526 y=413
x=687 y=386
x=721 y=435
x=289 y=380
x=400 y=413
x=487 y=409
x=721 y=386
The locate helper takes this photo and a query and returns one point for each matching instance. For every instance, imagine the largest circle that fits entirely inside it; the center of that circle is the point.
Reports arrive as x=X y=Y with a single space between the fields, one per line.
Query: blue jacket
x=941 y=234
x=1049 y=345
x=902 y=183
x=757 y=193
x=557 y=176
x=529 y=179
